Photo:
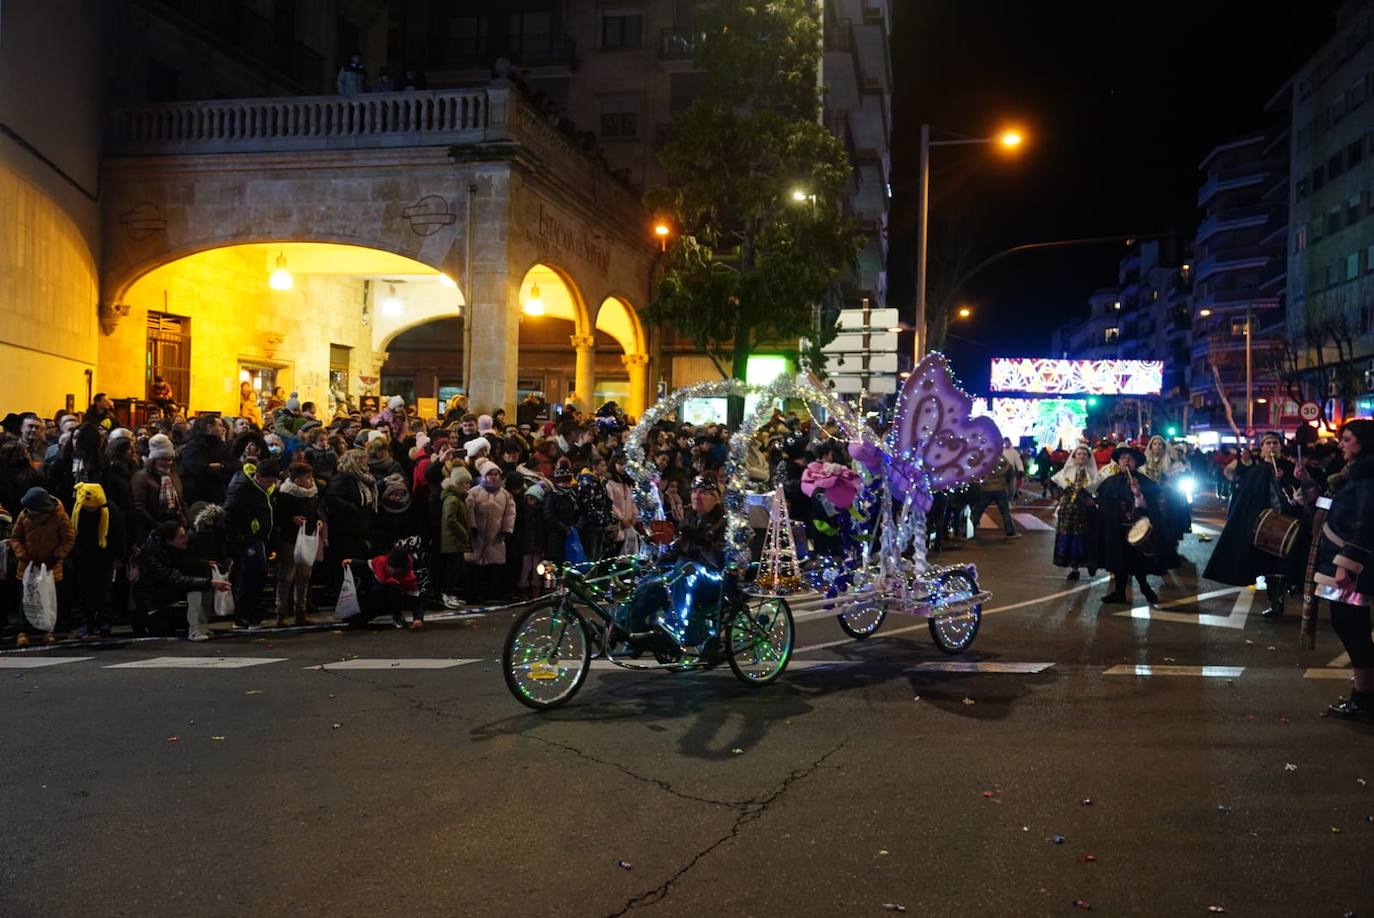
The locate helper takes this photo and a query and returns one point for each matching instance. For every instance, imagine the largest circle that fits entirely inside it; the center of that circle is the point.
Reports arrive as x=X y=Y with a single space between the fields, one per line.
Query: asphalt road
x=868 y=781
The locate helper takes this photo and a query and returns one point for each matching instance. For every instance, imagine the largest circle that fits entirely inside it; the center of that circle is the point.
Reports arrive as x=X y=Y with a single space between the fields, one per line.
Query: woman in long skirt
x=1078 y=481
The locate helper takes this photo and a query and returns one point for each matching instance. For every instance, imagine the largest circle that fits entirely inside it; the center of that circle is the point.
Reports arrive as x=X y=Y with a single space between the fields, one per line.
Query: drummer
x=1266 y=482
x=1131 y=509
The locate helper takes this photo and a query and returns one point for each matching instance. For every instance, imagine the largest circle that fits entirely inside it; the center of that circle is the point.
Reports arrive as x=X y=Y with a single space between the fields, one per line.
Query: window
x=620 y=118
x=467 y=37
x=1300 y=192
x=168 y=354
x=1333 y=220
x=1352 y=209
x=621 y=29
x=1116 y=304
x=1369 y=260
x=1238 y=328
x=1300 y=239
x=1111 y=334
x=1352 y=266
x=1333 y=167
x=1358 y=93
x=531 y=35
x=1318 y=177
x=1353 y=154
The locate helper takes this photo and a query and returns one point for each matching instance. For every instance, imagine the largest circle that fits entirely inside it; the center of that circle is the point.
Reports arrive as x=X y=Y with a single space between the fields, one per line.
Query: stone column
x=495 y=315
x=638 y=365
x=585 y=376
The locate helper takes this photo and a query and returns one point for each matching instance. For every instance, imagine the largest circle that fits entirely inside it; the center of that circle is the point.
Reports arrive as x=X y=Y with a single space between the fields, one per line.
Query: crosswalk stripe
x=407 y=663
x=1325 y=673
x=38 y=662
x=1210 y=672
x=197 y=663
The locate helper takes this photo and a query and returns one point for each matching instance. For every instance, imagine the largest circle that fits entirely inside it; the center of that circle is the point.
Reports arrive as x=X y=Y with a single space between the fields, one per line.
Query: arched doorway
x=618 y=319
x=314 y=318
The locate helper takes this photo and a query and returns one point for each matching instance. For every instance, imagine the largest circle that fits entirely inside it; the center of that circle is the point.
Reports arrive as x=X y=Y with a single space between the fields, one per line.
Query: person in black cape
x=1263 y=483
x=1122 y=499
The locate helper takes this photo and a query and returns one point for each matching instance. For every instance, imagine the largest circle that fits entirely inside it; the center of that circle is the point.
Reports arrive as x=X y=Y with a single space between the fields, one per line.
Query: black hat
x=1129 y=450
x=36 y=500
x=706 y=483
x=563 y=473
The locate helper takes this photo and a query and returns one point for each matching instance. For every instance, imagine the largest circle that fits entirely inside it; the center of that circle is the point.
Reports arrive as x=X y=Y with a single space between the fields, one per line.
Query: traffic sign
x=1250 y=432
x=1309 y=411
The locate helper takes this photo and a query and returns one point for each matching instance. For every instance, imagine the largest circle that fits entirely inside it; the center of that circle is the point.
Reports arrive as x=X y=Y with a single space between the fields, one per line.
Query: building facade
x=1329 y=275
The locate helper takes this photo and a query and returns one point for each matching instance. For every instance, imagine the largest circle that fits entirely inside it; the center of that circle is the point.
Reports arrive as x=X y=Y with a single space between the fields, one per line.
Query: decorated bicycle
x=692 y=604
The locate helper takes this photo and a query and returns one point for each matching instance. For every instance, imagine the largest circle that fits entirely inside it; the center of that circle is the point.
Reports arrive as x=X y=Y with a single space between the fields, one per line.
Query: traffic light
x=1092 y=401
x=1172 y=431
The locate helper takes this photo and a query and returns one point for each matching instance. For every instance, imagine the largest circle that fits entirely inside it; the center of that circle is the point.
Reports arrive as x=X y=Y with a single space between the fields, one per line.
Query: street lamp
x=1204 y=313
x=280 y=278
x=534 y=306
x=1009 y=139
x=964 y=312
x=661 y=230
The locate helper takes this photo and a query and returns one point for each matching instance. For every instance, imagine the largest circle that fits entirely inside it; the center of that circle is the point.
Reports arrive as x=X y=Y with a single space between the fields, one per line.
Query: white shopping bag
x=631 y=547
x=347 y=606
x=40 y=598
x=307 y=550
x=224 y=601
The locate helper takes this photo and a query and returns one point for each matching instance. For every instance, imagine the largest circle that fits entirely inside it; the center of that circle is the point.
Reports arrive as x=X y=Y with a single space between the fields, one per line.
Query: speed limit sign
x=1309 y=411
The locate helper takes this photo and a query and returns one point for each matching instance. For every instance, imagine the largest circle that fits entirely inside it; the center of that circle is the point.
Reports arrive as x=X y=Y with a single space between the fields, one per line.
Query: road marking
x=197 y=663
x=937 y=666
x=1024 y=520
x=403 y=663
x=1210 y=672
x=37 y=662
x=1327 y=674
x=955 y=666
x=1236 y=619
x=1342 y=660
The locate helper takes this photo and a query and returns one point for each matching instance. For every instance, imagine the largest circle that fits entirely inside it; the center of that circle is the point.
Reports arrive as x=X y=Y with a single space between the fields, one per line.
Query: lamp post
x=1009 y=139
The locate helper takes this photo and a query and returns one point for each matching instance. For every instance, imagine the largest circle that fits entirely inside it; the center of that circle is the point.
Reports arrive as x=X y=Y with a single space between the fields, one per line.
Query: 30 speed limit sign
x=1309 y=411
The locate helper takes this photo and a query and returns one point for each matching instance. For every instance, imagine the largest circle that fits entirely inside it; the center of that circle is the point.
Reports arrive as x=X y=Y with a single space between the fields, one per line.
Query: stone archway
x=616 y=317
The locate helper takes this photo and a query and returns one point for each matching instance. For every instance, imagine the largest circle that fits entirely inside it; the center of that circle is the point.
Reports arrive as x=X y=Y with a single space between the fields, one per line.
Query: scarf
x=367 y=489
x=167 y=497
x=294 y=490
x=1067 y=477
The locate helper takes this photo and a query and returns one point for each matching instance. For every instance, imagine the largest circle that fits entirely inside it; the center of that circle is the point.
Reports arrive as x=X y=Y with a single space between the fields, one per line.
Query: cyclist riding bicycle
x=678 y=603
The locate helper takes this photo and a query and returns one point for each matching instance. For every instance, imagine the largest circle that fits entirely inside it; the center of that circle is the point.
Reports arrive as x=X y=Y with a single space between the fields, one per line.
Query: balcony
x=236 y=26
x=1231 y=299
x=543 y=50
x=873 y=14
x=1236 y=258
x=1231 y=179
x=679 y=43
x=1234 y=219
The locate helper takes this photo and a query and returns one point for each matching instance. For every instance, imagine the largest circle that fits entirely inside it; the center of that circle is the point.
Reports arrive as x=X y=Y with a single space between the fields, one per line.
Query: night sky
x=1119 y=102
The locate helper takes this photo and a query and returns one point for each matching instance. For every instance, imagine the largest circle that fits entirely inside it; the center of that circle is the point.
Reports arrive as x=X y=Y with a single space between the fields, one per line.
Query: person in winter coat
x=493 y=518
x=157 y=490
x=17 y=475
x=560 y=515
x=42 y=534
x=1122 y=500
x=250 y=522
x=99 y=529
x=1343 y=574
x=529 y=531
x=595 y=515
x=387 y=585
x=620 y=487
x=208 y=548
x=455 y=535
x=249 y=446
x=350 y=503
x=168 y=574
x=351 y=79
x=297 y=508
x=380 y=462
x=321 y=456
x=205 y=464
x=248 y=404
x=121 y=464
x=81 y=459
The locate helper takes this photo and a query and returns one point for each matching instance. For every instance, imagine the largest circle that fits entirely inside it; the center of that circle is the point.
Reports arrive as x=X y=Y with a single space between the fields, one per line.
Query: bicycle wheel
x=547 y=655
x=863 y=620
x=954 y=633
x=759 y=641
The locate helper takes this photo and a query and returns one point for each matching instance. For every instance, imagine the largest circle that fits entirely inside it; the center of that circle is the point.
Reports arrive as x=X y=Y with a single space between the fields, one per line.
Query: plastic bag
x=307 y=547
x=631 y=545
x=40 y=597
x=224 y=601
x=4 y=560
x=347 y=606
x=573 y=552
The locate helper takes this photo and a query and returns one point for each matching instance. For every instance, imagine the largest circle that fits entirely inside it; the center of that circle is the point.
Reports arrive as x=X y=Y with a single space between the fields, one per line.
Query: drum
x=1275 y=534
x=1138 y=536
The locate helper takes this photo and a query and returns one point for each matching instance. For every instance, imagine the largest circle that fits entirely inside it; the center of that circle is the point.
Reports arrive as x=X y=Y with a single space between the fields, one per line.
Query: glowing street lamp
x=964 y=312
x=1204 y=313
x=661 y=230
x=281 y=278
x=1010 y=138
x=534 y=306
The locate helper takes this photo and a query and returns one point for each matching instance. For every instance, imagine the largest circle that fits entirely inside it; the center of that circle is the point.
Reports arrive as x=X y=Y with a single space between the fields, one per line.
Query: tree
x=749 y=260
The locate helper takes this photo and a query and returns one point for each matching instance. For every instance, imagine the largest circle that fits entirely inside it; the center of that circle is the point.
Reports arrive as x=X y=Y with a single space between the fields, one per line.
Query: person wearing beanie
x=249 y=524
x=560 y=514
x=296 y=508
x=42 y=534
x=493 y=517
x=595 y=513
x=98 y=526
x=455 y=535
x=157 y=492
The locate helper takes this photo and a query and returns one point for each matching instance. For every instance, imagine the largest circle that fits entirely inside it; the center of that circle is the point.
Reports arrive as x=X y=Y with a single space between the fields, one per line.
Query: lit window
x=1352 y=266
x=1112 y=334
x=1116 y=304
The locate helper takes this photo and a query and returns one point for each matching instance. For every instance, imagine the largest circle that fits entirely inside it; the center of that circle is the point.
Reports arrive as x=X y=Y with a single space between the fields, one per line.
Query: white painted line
x=1324 y=673
x=1031 y=521
x=405 y=663
x=1210 y=672
x=1342 y=660
x=38 y=662
x=954 y=666
x=1235 y=620
x=197 y=663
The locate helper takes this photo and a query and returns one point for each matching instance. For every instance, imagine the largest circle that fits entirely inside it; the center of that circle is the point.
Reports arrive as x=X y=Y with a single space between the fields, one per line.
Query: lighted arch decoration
x=560 y=294
x=802 y=386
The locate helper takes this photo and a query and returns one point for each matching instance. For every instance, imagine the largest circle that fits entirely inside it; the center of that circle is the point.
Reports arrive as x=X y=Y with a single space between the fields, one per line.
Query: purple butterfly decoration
x=935 y=444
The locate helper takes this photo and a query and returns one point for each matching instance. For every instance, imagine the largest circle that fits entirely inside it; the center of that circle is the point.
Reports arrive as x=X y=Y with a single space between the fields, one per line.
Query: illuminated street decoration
x=1068 y=377
x=1051 y=421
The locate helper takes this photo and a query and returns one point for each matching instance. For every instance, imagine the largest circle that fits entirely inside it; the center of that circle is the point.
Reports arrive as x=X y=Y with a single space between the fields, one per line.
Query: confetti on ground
x=1223 y=809
x=1056 y=839
x=1335 y=830
x=1362 y=782
x=1289 y=766
x=882 y=851
x=253 y=691
x=173 y=739
x=337 y=726
x=1283 y=720
x=969 y=701
x=1271 y=647
x=1216 y=909
x=1087 y=801
x=737 y=751
x=988 y=793
x=218 y=739
x=1083 y=904
x=917 y=698
x=894 y=906
x=1169 y=660
x=624 y=865
x=1090 y=858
